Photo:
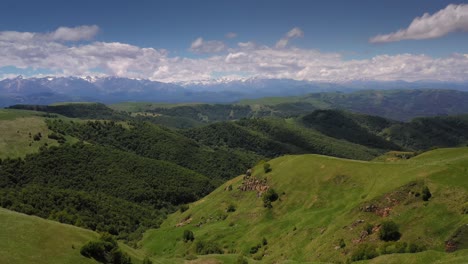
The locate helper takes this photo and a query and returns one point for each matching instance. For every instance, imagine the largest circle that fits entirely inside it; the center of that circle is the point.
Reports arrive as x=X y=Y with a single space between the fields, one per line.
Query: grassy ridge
x=29 y=239
x=17 y=128
x=320 y=201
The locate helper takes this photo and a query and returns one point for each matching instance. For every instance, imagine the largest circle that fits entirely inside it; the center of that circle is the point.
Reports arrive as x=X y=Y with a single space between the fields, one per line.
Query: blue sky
x=324 y=29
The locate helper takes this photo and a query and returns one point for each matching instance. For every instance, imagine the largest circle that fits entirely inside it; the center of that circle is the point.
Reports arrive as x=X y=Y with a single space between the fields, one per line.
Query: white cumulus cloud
x=450 y=19
x=60 y=34
x=74 y=34
x=209 y=46
x=293 y=33
x=25 y=50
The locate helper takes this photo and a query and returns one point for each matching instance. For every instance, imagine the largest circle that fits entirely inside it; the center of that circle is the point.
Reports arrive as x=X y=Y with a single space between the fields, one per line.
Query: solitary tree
x=426 y=194
x=188 y=236
x=389 y=231
x=269 y=197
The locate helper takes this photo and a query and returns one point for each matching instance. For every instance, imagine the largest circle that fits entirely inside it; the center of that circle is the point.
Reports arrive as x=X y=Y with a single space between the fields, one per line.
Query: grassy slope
x=15 y=126
x=30 y=239
x=320 y=204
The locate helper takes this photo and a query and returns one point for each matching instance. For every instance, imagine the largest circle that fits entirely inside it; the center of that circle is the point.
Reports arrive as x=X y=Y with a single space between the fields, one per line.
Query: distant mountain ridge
x=48 y=90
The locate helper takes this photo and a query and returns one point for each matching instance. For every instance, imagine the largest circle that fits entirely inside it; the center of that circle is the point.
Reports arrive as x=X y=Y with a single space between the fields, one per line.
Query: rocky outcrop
x=254 y=184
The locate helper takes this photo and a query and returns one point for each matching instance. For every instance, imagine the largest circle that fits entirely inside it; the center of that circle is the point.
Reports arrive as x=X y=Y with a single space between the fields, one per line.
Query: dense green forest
x=160 y=143
x=334 y=132
x=402 y=105
x=98 y=187
x=77 y=110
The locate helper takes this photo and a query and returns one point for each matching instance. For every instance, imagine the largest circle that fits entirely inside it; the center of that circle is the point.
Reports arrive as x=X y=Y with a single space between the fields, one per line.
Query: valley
x=338 y=176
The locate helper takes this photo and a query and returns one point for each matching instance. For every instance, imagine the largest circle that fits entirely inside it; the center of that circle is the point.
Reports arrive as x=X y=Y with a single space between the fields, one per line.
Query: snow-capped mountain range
x=48 y=90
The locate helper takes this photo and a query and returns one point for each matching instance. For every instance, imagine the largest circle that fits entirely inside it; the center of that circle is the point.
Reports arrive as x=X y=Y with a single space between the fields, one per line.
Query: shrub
x=341 y=243
x=266 y=167
x=37 y=137
x=270 y=195
x=231 y=208
x=426 y=194
x=389 y=231
x=414 y=248
x=94 y=249
x=183 y=208
x=56 y=136
x=363 y=252
x=255 y=249
x=105 y=250
x=400 y=247
x=204 y=248
x=188 y=236
x=241 y=260
x=368 y=228
x=116 y=256
x=264 y=242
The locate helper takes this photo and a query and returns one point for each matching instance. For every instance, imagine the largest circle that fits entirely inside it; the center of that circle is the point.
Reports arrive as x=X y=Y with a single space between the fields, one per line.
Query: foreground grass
x=30 y=239
x=320 y=201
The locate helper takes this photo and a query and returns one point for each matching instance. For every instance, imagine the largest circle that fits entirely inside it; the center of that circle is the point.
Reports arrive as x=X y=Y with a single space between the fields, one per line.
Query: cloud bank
x=450 y=19
x=60 y=53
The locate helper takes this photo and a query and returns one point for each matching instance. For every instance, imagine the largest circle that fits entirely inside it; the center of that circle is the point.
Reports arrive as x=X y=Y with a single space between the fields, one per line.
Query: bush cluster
x=389 y=231
x=105 y=250
x=188 y=236
x=207 y=247
x=269 y=197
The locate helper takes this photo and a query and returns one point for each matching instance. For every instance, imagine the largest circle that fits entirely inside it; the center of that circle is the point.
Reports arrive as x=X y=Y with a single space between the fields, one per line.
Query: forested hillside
x=98 y=188
x=160 y=143
x=402 y=105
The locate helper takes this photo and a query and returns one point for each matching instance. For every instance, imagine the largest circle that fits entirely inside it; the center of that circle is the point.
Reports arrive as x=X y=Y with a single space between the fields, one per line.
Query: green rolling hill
x=17 y=130
x=324 y=201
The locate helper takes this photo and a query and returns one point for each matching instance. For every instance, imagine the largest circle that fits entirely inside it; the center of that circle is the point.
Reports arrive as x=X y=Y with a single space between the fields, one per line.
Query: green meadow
x=17 y=130
x=320 y=203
